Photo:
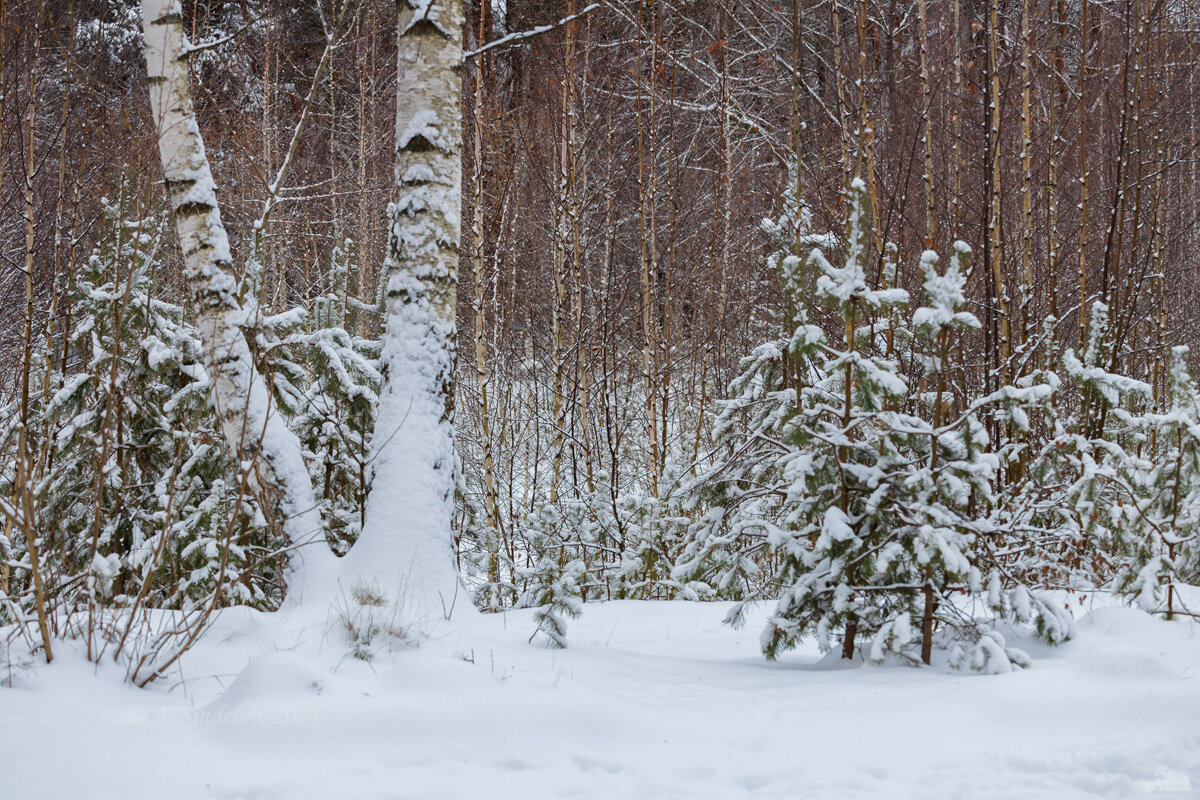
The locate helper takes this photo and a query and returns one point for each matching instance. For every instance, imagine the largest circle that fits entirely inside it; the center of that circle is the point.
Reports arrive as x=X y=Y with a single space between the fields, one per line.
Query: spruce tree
x=335 y=414
x=736 y=501
x=844 y=461
x=143 y=496
x=1163 y=535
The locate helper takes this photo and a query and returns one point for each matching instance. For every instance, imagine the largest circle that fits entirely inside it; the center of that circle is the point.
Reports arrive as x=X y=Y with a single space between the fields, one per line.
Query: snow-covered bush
x=140 y=497
x=139 y=503
x=859 y=492
x=1163 y=529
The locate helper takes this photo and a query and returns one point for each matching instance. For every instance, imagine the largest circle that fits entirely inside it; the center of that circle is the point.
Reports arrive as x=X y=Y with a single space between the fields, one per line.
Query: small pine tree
x=335 y=414
x=553 y=579
x=843 y=460
x=140 y=497
x=739 y=494
x=946 y=479
x=854 y=486
x=1167 y=525
x=326 y=381
x=1081 y=490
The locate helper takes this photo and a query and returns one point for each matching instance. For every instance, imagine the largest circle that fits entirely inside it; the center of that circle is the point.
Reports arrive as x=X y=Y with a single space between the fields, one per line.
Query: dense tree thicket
x=877 y=311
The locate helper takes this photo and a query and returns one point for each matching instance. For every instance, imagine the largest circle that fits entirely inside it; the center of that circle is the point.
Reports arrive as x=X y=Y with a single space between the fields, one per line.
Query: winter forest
x=636 y=380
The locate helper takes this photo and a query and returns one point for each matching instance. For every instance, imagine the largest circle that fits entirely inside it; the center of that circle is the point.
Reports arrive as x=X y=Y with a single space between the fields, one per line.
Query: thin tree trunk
x=956 y=216
x=24 y=485
x=478 y=260
x=564 y=240
x=648 y=255
x=927 y=621
x=927 y=132
x=577 y=267
x=839 y=78
x=848 y=639
x=1083 y=176
x=254 y=428
x=1057 y=96
x=1026 y=173
x=994 y=197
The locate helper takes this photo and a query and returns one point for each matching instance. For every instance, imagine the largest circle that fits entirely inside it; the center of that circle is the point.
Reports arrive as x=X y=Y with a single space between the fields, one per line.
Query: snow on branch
x=538 y=31
x=211 y=44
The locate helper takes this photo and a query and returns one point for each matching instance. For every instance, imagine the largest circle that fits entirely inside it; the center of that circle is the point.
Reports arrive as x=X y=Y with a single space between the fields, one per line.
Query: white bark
x=406 y=547
x=250 y=423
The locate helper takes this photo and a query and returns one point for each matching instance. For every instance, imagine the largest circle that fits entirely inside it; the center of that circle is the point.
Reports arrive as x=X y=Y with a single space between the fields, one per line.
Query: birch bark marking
x=1026 y=174
x=406 y=544
x=995 y=220
x=927 y=131
x=1083 y=173
x=252 y=426
x=479 y=268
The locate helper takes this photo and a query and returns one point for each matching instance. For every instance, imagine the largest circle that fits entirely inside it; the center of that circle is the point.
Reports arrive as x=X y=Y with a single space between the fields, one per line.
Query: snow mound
x=270 y=678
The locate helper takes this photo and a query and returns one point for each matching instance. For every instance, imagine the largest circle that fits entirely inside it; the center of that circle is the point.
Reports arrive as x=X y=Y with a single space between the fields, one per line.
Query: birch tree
x=254 y=428
x=406 y=544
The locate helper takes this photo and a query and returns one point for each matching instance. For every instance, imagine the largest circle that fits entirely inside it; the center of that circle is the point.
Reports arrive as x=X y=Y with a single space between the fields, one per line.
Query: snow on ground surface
x=652 y=700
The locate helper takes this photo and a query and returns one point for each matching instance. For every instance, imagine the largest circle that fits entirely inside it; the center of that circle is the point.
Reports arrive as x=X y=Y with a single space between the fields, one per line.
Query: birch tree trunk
x=995 y=214
x=254 y=429
x=927 y=132
x=478 y=264
x=406 y=547
x=649 y=250
x=1083 y=173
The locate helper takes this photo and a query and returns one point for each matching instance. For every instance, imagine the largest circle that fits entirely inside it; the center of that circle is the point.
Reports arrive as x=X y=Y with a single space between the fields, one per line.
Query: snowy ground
x=652 y=700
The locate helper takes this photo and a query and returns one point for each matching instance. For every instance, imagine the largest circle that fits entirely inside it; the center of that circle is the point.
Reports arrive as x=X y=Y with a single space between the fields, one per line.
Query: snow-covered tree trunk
x=253 y=427
x=406 y=548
